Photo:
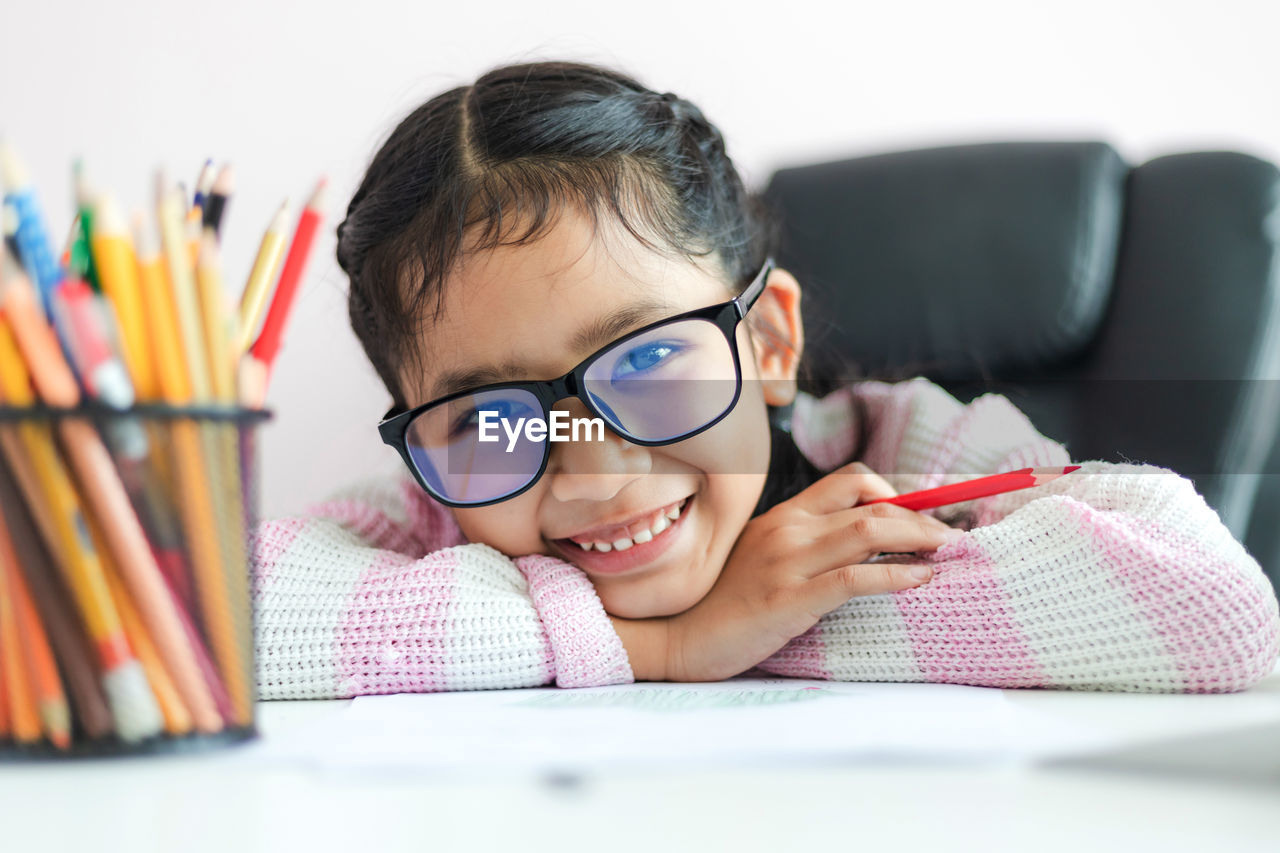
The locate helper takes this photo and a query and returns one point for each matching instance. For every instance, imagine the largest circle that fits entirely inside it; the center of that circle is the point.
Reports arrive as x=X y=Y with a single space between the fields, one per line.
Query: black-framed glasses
x=660 y=384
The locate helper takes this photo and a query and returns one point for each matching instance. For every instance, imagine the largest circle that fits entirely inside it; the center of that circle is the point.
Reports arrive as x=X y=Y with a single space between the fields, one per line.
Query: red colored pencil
x=256 y=365
x=1009 y=481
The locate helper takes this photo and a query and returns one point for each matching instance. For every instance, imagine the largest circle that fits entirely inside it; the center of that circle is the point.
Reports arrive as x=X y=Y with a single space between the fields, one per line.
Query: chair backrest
x=1132 y=312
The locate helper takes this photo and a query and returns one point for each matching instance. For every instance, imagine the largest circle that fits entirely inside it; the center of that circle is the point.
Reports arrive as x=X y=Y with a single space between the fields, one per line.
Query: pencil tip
x=318 y=197
x=12 y=174
x=225 y=181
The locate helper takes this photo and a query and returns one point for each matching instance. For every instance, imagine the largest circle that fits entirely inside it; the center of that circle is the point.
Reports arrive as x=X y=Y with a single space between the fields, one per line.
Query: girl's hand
x=792 y=565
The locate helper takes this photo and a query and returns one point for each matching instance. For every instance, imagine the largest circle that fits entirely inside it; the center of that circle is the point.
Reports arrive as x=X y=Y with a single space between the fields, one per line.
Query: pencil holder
x=126 y=624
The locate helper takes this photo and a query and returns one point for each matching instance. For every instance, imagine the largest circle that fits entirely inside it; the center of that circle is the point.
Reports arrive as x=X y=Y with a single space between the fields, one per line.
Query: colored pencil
x=266 y=267
x=102 y=373
x=213 y=310
x=980 y=487
x=176 y=716
x=31 y=237
x=195 y=453
x=255 y=369
x=173 y=383
x=180 y=264
x=24 y=715
x=82 y=260
x=215 y=205
x=117 y=266
x=217 y=550
x=204 y=182
x=6 y=726
x=66 y=633
x=42 y=672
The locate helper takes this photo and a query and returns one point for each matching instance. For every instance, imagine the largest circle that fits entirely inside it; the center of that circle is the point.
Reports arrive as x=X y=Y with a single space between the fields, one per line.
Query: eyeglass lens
x=659 y=386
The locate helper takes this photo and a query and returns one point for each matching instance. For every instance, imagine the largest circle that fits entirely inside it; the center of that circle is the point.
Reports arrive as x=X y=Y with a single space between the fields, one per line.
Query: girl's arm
x=1114 y=577
x=374 y=591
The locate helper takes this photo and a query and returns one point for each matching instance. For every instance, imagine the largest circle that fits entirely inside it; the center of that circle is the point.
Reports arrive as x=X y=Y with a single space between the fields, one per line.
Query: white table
x=205 y=802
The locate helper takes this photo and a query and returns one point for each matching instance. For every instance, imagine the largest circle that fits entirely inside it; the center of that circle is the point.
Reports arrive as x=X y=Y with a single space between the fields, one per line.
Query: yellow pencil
x=266 y=268
x=224 y=597
x=161 y=317
x=165 y=351
x=118 y=271
x=183 y=283
x=213 y=310
x=201 y=459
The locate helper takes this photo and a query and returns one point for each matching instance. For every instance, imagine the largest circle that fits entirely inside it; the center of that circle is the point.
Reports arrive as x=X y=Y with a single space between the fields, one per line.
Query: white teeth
x=665 y=519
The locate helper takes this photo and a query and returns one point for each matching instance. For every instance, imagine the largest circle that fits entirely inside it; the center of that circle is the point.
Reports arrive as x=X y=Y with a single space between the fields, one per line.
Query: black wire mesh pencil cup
x=126 y=622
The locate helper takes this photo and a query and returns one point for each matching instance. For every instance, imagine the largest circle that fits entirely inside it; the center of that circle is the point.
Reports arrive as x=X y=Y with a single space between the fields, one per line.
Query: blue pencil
x=31 y=238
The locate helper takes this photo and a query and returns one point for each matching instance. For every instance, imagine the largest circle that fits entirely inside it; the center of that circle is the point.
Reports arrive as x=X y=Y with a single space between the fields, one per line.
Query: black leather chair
x=1133 y=312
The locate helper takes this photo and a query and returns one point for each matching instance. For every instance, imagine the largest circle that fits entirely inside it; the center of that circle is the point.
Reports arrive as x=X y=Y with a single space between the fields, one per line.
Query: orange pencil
x=6 y=727
x=107 y=498
x=177 y=719
x=42 y=672
x=23 y=713
x=66 y=631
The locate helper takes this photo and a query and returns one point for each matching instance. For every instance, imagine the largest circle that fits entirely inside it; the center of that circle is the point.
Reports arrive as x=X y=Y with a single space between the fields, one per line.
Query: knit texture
x=1115 y=577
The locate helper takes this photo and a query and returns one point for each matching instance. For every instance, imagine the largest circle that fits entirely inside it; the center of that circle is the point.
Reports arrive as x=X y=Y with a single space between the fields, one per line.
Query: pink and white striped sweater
x=1116 y=577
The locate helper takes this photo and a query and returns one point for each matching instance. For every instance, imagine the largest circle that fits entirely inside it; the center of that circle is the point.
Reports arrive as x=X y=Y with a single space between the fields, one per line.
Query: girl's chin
x=634 y=601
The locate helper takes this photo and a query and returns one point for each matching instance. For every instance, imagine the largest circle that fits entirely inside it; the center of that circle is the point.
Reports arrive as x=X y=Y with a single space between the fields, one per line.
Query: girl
x=552 y=239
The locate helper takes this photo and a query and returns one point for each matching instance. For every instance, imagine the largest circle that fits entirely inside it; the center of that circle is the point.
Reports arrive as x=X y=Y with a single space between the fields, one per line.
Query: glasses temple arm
x=748 y=297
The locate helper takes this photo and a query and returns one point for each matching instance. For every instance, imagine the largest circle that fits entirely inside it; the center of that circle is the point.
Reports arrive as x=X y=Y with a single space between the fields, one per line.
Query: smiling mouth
x=637 y=533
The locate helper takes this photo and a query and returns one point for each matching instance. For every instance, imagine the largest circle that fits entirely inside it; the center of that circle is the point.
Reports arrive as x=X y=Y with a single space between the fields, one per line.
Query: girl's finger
x=868 y=535
x=831 y=589
x=842 y=518
x=844 y=488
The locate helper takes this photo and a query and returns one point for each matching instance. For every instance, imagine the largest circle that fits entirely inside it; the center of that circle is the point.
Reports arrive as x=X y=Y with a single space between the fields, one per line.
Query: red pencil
x=1009 y=481
x=255 y=367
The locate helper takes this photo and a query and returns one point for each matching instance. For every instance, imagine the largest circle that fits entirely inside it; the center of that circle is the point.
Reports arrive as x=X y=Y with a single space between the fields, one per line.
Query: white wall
x=290 y=90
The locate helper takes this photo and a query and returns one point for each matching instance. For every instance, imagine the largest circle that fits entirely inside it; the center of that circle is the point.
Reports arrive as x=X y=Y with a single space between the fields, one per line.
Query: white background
x=292 y=90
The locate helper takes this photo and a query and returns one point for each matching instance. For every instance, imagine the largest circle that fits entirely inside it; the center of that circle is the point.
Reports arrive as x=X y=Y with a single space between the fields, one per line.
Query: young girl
x=554 y=238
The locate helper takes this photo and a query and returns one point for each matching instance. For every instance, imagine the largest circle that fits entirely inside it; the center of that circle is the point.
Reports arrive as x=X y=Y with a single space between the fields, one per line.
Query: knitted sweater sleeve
x=1113 y=577
x=374 y=590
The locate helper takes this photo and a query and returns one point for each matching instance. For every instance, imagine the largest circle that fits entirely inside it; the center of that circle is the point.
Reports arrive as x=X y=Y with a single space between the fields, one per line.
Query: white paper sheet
x=661 y=725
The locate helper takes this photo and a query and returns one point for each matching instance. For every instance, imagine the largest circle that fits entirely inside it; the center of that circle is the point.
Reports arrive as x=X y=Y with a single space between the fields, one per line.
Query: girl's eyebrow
x=589 y=338
x=453 y=381
x=615 y=324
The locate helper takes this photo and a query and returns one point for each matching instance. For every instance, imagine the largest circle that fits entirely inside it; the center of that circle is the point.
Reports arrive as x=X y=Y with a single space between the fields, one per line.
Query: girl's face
x=535 y=311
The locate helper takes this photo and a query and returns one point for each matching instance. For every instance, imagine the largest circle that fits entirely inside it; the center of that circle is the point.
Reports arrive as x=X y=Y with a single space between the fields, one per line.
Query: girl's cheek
x=511 y=526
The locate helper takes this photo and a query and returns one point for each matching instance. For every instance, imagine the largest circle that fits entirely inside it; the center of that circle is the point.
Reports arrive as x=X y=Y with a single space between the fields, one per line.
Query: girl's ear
x=778 y=337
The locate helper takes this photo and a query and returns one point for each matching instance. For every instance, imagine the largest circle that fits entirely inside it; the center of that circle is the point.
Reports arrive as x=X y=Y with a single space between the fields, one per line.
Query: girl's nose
x=592 y=469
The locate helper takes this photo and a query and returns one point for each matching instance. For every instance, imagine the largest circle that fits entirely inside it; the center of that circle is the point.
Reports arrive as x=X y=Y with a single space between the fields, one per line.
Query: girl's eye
x=645 y=358
x=468 y=420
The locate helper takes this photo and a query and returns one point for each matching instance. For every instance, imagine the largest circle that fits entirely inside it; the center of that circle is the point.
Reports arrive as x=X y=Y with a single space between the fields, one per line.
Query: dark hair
x=524 y=140
x=516 y=145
